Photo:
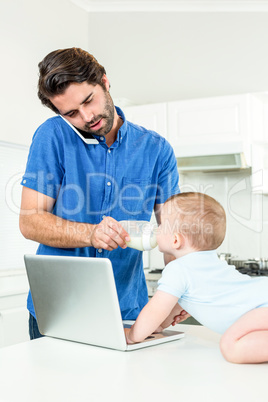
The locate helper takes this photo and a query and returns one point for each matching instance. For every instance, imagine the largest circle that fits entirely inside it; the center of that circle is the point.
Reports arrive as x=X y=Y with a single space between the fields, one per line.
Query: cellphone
x=89 y=140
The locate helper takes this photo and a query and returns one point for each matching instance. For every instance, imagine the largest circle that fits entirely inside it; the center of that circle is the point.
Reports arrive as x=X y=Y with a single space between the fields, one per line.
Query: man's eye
x=72 y=114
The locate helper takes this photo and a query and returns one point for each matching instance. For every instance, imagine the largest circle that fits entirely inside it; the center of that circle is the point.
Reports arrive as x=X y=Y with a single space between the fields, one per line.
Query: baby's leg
x=246 y=341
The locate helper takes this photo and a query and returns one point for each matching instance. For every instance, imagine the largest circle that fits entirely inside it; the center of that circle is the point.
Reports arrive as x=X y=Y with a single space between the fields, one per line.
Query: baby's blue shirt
x=211 y=291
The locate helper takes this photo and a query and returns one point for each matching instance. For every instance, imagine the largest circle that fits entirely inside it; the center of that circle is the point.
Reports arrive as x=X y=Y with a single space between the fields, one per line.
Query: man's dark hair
x=65 y=66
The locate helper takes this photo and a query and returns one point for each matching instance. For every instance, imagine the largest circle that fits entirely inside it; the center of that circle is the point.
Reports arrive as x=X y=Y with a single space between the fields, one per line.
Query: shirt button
x=102 y=138
x=109 y=151
x=24 y=181
x=99 y=250
x=109 y=183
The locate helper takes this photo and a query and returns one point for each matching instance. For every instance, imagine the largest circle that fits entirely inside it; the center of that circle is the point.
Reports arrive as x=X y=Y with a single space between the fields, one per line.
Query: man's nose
x=86 y=115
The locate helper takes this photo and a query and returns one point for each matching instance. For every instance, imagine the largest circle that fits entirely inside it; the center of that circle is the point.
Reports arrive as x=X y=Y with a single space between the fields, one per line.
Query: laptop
x=75 y=299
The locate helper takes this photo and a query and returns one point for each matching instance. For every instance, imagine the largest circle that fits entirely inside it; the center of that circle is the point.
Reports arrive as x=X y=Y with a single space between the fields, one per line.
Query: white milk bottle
x=142 y=234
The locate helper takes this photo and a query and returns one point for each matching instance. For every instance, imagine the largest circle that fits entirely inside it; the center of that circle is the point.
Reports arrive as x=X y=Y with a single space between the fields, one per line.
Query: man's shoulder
x=51 y=129
x=140 y=130
x=136 y=131
x=51 y=122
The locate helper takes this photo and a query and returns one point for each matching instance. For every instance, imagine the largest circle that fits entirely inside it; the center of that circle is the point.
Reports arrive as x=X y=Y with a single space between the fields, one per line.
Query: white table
x=190 y=369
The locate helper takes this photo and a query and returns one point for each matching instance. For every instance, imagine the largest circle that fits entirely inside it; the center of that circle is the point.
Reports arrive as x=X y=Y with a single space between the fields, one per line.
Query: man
x=88 y=168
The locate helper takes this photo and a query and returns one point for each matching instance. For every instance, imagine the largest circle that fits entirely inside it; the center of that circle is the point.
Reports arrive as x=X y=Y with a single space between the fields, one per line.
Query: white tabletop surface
x=190 y=369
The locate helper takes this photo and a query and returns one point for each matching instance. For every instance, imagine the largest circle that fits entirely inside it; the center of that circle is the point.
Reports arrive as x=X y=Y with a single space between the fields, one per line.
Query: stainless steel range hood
x=213 y=163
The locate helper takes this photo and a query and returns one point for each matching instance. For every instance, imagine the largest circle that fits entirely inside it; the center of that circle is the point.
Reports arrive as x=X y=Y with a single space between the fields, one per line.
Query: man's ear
x=178 y=241
x=106 y=82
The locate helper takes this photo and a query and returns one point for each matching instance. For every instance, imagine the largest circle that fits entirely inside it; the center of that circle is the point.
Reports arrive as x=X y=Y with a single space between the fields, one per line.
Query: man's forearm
x=48 y=229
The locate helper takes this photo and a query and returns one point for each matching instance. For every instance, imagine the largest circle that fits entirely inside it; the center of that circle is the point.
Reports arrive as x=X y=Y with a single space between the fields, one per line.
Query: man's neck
x=112 y=135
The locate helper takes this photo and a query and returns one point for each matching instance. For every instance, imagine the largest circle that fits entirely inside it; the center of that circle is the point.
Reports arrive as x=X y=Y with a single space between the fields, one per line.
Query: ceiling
x=172 y=5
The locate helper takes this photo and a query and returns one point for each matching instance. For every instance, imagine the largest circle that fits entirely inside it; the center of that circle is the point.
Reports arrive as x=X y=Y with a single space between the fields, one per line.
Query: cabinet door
x=209 y=126
x=151 y=116
x=13 y=326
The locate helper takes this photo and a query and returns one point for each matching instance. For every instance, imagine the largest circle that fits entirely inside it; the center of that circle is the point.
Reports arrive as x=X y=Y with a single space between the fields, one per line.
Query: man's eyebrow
x=84 y=101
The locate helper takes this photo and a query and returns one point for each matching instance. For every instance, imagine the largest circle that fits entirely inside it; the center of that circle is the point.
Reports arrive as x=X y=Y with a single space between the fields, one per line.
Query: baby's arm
x=152 y=316
x=178 y=314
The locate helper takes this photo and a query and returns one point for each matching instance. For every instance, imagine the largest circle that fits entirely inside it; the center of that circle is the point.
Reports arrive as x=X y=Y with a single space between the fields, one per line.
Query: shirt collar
x=101 y=139
x=123 y=129
x=121 y=132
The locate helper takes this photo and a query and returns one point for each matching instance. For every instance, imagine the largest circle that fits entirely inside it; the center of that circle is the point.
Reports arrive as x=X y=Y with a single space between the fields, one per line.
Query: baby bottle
x=142 y=234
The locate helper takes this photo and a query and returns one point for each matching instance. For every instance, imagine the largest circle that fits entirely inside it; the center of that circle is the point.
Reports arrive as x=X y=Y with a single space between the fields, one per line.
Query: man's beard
x=107 y=118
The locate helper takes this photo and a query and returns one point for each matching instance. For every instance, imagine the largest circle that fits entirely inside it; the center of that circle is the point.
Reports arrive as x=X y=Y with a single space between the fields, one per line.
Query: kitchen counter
x=190 y=369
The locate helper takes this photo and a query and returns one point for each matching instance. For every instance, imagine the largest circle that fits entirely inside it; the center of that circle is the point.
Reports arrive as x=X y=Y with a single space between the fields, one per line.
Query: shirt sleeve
x=173 y=280
x=44 y=168
x=168 y=180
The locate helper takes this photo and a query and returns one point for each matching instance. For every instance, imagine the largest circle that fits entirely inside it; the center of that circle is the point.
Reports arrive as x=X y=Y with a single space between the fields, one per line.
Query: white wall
x=156 y=57
x=29 y=29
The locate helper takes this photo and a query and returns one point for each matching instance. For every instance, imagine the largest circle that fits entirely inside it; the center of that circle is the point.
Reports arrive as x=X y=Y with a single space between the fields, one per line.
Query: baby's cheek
x=160 y=248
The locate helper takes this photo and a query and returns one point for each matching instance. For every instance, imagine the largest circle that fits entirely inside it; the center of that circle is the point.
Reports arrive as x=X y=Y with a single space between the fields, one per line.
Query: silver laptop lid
x=75 y=298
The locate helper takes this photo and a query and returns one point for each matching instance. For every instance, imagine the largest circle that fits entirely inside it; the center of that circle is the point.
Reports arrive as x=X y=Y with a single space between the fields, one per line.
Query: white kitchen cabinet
x=232 y=126
x=206 y=126
x=13 y=311
x=259 y=178
x=14 y=326
x=151 y=116
x=211 y=126
x=213 y=134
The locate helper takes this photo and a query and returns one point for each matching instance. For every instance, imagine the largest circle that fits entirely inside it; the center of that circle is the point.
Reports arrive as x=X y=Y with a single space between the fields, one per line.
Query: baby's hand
x=180 y=317
x=127 y=330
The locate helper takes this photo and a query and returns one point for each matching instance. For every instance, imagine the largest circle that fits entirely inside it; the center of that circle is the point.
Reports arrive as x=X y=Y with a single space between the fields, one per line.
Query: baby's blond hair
x=198 y=217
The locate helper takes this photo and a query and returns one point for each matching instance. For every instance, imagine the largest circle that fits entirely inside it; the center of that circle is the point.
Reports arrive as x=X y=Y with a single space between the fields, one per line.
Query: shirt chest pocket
x=134 y=196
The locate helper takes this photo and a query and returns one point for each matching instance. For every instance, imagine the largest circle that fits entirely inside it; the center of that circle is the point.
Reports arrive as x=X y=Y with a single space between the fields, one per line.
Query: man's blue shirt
x=90 y=181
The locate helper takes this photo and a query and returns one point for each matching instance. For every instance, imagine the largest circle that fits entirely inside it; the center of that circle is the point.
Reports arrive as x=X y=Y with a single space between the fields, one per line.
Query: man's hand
x=109 y=234
x=38 y=223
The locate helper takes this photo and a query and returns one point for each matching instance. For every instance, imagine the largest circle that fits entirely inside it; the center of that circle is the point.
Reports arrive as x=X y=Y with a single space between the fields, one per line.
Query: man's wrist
x=90 y=236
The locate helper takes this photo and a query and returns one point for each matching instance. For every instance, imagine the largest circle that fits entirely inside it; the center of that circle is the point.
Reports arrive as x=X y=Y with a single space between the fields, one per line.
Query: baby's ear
x=178 y=241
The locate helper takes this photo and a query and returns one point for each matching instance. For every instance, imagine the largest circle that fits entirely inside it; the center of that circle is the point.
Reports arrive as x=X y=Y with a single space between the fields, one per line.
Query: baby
x=192 y=227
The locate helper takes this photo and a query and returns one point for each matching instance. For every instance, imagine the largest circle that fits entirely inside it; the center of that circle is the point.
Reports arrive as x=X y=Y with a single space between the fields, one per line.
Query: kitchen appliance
x=253 y=267
x=213 y=163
